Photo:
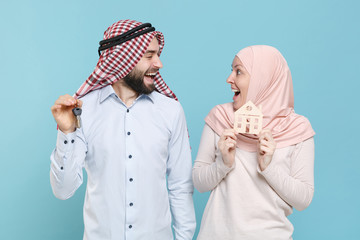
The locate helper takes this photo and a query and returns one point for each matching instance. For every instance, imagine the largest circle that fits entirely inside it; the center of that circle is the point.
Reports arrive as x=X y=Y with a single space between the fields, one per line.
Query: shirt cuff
x=65 y=142
x=268 y=172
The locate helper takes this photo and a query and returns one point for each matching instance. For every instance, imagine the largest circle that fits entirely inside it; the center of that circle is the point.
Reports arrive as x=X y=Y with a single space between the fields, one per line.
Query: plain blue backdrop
x=48 y=48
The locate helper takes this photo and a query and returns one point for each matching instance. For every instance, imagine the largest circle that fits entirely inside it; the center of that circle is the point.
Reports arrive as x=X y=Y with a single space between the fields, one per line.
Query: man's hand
x=227 y=146
x=266 y=148
x=62 y=112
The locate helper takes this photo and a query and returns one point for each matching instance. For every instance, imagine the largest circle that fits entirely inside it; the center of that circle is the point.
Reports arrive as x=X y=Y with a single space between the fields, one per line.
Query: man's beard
x=135 y=80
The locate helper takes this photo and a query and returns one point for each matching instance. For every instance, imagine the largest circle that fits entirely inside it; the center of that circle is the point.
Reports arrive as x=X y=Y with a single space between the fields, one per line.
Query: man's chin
x=150 y=89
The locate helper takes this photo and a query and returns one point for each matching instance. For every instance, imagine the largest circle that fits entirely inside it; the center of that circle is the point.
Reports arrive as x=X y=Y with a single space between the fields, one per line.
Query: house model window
x=248 y=119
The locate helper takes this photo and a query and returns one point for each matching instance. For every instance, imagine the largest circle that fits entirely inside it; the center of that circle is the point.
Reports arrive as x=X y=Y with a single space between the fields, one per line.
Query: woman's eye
x=238 y=72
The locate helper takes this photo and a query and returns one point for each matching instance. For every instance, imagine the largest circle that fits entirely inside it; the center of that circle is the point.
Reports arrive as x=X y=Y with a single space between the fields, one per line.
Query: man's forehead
x=154 y=45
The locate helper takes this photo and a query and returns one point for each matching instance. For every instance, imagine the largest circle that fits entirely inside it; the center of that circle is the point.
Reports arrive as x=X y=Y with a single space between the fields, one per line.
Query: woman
x=255 y=180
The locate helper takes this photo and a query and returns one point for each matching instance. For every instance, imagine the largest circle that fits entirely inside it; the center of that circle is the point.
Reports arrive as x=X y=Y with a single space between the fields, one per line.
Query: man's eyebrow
x=151 y=51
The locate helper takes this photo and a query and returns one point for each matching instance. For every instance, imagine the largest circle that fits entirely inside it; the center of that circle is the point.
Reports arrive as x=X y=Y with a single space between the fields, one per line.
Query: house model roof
x=249 y=108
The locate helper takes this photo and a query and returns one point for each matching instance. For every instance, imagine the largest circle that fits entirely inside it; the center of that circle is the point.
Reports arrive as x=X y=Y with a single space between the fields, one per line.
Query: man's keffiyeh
x=118 y=61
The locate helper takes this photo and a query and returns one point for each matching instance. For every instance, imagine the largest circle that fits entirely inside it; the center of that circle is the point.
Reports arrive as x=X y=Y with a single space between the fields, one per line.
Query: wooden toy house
x=248 y=119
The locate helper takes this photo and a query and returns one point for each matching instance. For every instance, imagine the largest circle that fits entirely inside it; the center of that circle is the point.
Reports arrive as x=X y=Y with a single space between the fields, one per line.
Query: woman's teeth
x=237 y=92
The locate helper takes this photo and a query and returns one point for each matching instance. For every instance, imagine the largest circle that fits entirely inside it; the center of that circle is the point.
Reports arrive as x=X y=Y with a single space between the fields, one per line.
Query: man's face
x=141 y=78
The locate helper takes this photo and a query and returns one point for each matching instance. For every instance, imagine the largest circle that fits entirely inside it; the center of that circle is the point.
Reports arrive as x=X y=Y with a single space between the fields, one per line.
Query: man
x=132 y=142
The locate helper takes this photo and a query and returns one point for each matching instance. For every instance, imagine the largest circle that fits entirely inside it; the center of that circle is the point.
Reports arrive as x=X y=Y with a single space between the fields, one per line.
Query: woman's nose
x=230 y=79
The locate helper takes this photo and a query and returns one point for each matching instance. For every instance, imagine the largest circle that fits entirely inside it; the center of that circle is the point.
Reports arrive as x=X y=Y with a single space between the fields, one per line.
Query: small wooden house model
x=248 y=119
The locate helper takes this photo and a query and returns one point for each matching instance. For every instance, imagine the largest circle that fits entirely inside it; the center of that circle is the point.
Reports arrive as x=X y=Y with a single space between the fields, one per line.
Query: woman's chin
x=237 y=105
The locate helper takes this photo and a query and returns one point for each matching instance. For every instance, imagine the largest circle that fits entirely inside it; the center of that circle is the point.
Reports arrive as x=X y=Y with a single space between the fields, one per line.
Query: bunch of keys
x=77 y=112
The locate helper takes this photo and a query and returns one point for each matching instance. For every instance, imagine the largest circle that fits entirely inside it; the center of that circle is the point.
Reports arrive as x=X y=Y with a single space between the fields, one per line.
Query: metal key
x=77 y=112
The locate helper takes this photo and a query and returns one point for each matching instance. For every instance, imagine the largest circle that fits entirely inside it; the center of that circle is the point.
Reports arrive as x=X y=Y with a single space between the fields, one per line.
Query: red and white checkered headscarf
x=118 y=61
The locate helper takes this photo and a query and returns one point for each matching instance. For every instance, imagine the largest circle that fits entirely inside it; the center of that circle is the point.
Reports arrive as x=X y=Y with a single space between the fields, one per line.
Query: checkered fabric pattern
x=118 y=61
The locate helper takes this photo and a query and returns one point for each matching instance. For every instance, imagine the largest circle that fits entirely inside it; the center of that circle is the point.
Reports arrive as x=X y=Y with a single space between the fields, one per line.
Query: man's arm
x=180 y=185
x=67 y=160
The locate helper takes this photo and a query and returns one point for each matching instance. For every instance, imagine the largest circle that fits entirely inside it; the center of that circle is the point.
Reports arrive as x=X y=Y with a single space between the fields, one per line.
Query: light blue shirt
x=138 y=164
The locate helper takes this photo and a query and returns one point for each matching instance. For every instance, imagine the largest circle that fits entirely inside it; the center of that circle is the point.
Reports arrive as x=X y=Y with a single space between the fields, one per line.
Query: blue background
x=48 y=48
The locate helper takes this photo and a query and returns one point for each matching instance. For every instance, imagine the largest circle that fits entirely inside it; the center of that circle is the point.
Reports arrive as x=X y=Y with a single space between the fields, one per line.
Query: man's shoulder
x=163 y=101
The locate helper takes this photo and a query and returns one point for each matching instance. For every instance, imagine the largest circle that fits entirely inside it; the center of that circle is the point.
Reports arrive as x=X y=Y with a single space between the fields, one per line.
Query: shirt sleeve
x=209 y=168
x=180 y=185
x=296 y=188
x=67 y=162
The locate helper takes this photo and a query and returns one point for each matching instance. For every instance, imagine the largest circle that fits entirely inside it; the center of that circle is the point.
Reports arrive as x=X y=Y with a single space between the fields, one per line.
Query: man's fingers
x=79 y=103
x=55 y=107
x=66 y=100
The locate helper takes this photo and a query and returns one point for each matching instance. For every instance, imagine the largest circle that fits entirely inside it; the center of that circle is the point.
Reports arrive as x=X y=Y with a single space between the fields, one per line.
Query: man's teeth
x=150 y=74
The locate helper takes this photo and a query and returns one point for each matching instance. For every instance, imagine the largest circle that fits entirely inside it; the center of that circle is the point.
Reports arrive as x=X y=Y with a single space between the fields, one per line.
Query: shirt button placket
x=130 y=173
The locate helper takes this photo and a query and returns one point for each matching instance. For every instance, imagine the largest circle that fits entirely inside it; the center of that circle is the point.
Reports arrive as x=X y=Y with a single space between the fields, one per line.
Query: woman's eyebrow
x=236 y=65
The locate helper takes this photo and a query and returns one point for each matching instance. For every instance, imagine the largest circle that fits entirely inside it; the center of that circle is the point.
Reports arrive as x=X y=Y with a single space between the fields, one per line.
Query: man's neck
x=124 y=92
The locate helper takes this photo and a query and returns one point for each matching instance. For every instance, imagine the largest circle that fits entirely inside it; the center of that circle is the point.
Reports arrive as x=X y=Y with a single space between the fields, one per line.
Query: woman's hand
x=266 y=148
x=227 y=146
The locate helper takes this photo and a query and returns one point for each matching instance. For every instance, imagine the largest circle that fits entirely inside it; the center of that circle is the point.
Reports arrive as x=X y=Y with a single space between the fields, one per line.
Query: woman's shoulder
x=222 y=107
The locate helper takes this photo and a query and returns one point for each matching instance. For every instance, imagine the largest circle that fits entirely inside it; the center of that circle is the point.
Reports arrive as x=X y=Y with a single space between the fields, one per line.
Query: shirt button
x=131 y=204
x=127 y=110
x=62 y=168
x=65 y=142
x=130 y=226
x=131 y=179
x=128 y=133
x=72 y=141
x=130 y=156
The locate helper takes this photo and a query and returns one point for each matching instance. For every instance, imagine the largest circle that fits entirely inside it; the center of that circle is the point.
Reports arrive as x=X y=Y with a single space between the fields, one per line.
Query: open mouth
x=236 y=92
x=151 y=75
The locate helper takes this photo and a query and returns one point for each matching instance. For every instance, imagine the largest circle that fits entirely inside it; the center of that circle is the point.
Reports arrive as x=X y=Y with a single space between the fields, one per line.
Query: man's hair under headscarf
x=118 y=61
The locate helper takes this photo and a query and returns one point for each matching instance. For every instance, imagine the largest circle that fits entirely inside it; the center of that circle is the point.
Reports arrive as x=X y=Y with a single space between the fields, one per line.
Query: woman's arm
x=296 y=189
x=209 y=168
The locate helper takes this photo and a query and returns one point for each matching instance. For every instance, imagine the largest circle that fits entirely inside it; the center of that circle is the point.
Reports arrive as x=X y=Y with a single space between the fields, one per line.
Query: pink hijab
x=271 y=87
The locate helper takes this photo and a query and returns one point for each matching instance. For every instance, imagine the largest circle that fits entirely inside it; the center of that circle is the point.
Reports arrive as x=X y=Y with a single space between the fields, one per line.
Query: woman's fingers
x=230 y=143
x=229 y=133
x=263 y=150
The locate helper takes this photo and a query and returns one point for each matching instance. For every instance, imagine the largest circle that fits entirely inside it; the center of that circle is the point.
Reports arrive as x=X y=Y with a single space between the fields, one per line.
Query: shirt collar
x=108 y=91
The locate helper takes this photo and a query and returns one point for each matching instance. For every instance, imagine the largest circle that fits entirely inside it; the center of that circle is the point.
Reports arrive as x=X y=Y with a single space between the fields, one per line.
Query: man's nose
x=157 y=62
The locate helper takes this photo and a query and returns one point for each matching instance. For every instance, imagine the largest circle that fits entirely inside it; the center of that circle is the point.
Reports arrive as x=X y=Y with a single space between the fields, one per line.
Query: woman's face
x=239 y=80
